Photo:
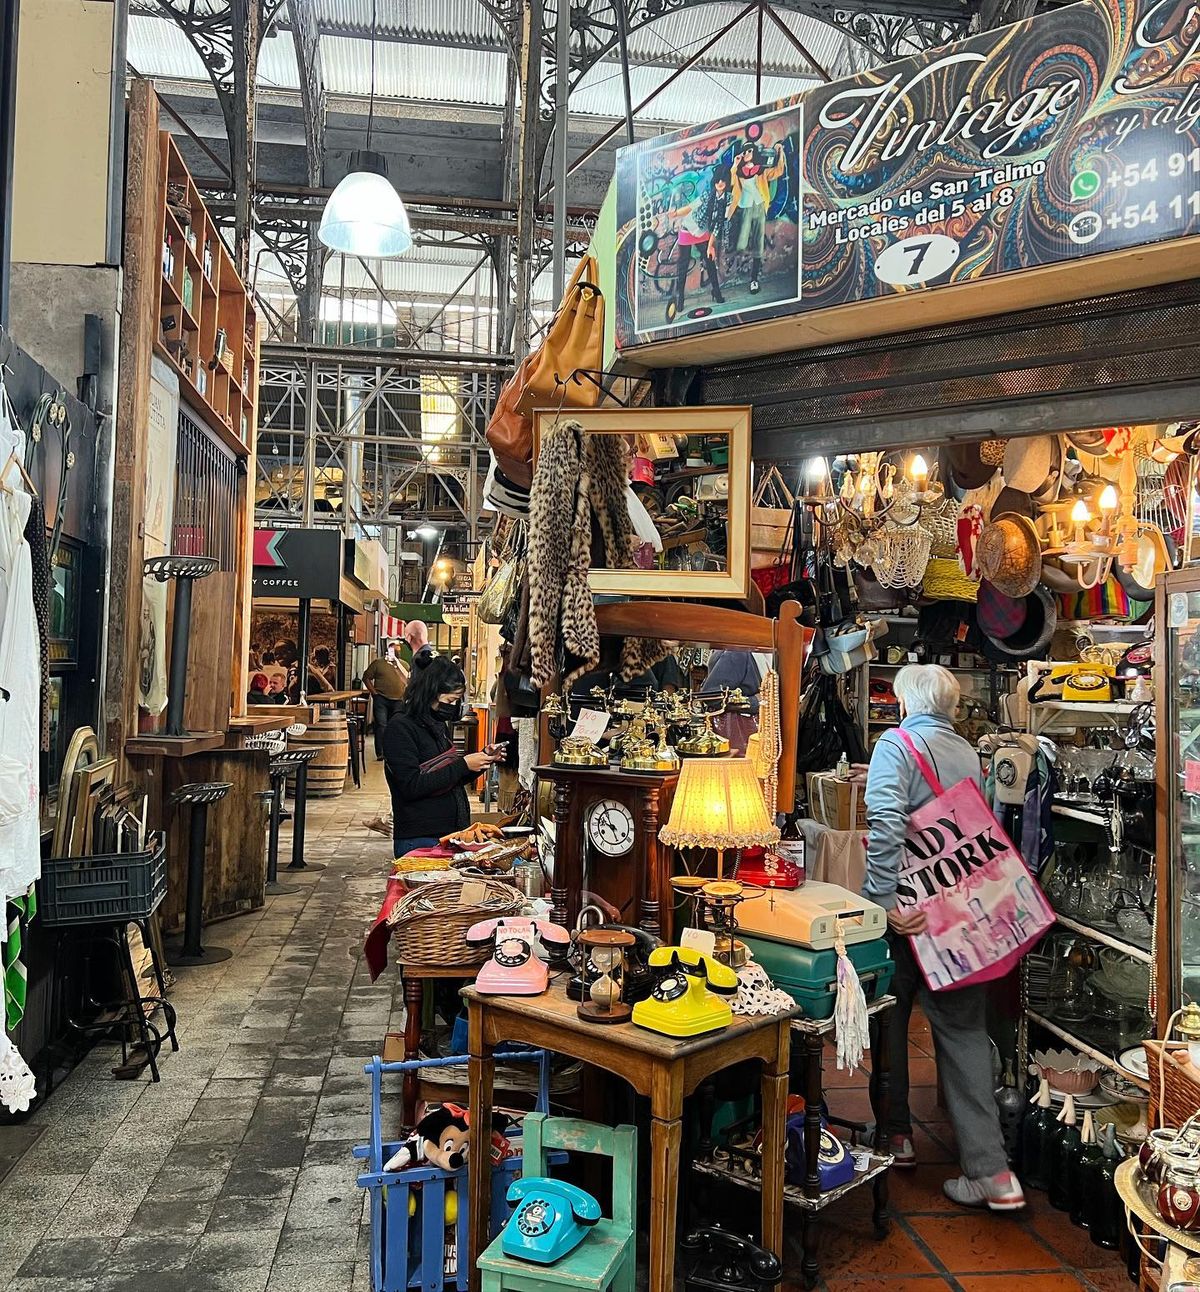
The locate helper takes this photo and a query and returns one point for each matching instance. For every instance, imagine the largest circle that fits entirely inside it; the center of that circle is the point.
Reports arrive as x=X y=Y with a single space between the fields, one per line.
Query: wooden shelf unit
x=200 y=304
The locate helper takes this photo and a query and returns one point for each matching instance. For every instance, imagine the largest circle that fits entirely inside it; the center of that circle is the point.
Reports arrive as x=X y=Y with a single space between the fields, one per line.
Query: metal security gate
x=1128 y=357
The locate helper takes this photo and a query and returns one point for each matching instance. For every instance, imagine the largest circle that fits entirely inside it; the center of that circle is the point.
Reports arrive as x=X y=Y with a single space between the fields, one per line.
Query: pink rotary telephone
x=514 y=969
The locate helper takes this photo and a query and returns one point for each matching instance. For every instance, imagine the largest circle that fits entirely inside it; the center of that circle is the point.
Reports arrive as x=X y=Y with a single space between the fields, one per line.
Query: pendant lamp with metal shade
x=364 y=215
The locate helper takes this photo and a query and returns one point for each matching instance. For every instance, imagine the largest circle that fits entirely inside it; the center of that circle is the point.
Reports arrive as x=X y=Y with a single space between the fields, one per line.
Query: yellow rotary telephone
x=686 y=999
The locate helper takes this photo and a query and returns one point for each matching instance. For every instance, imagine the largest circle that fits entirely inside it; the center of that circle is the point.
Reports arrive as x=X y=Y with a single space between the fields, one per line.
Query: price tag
x=473 y=893
x=702 y=940
x=1191 y=775
x=591 y=725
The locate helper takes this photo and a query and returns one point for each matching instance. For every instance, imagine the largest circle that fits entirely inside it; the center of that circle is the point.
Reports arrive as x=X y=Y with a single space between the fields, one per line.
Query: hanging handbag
x=573 y=344
x=771 y=511
x=505 y=584
x=510 y=432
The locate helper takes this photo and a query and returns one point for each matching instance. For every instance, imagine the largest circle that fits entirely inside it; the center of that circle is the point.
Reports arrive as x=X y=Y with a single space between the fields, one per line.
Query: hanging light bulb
x=364 y=215
x=1080 y=517
x=1108 y=498
x=918 y=470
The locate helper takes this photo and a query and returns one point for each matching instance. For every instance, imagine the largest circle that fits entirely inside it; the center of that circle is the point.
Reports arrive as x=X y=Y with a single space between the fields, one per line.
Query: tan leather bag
x=574 y=342
x=547 y=378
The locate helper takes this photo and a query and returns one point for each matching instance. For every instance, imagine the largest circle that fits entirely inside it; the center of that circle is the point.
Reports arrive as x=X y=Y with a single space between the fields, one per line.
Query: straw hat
x=1153 y=558
x=969 y=470
x=1009 y=554
x=1030 y=461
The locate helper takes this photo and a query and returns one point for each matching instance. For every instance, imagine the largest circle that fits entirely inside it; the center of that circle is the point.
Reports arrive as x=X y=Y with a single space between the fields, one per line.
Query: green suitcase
x=810 y=977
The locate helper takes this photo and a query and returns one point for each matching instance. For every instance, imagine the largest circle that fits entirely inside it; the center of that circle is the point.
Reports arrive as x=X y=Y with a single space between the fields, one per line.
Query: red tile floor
x=933 y=1244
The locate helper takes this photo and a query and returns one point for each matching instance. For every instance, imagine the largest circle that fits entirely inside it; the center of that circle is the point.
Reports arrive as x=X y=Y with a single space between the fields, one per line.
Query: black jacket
x=427 y=777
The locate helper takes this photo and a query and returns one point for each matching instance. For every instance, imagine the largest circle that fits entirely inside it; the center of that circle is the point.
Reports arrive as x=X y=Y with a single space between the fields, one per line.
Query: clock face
x=610 y=827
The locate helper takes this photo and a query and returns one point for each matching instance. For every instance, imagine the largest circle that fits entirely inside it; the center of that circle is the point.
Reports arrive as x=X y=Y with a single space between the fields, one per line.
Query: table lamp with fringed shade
x=718 y=804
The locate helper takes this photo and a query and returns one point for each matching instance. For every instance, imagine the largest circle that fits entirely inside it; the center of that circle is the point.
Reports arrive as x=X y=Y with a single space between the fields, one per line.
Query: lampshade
x=718 y=804
x=364 y=215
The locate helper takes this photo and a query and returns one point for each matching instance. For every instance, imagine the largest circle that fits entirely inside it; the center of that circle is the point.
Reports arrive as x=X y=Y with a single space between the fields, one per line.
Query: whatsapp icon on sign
x=1084 y=185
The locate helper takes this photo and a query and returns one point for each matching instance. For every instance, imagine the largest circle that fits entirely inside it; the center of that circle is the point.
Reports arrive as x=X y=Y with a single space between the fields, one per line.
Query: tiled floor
x=935 y=1245
x=234 y=1174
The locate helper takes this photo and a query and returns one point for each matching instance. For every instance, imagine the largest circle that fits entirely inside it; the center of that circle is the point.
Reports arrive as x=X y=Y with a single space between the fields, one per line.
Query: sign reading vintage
x=1067 y=135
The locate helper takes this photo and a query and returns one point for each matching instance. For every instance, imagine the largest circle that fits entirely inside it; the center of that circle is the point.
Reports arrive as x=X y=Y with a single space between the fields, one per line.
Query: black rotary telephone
x=719 y=1261
x=639 y=978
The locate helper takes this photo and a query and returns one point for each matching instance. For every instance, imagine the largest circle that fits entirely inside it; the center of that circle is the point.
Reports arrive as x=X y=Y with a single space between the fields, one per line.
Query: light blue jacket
x=896 y=788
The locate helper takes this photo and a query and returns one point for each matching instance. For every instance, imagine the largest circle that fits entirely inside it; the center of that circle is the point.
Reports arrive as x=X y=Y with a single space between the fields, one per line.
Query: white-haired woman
x=928 y=696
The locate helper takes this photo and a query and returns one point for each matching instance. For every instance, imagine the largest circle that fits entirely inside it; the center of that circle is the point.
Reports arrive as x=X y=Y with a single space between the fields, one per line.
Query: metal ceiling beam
x=307 y=40
x=349 y=356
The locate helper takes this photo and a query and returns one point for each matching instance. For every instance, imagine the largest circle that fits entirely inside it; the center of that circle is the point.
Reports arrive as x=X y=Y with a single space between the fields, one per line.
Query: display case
x=1090 y=983
x=1177 y=678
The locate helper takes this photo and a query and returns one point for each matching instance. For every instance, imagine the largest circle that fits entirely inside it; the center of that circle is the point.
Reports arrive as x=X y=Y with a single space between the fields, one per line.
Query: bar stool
x=300 y=813
x=356 y=727
x=281 y=766
x=199 y=796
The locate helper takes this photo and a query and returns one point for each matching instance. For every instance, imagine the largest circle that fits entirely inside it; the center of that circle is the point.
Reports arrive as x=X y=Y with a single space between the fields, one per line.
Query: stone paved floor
x=234 y=1173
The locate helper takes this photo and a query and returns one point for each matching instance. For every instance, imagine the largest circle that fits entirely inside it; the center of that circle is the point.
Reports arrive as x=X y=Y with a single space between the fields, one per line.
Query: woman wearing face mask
x=427 y=776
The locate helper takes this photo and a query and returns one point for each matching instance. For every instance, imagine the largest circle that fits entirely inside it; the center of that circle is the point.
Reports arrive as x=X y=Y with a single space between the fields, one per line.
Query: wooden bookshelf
x=201 y=295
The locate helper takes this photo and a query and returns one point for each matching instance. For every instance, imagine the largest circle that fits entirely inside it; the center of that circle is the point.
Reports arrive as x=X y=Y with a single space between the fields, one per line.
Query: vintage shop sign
x=1067 y=135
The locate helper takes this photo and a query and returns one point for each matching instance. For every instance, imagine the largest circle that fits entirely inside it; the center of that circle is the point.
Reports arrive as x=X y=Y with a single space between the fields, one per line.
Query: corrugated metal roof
x=449 y=20
x=693 y=96
x=435 y=73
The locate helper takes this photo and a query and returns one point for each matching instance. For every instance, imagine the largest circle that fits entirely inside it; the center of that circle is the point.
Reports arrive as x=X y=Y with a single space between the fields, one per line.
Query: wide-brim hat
x=1029 y=462
x=1052 y=484
x=1058 y=579
x=999 y=615
x=1009 y=554
x=1153 y=558
x=1031 y=640
x=1013 y=501
x=1100 y=465
x=1088 y=441
x=969 y=470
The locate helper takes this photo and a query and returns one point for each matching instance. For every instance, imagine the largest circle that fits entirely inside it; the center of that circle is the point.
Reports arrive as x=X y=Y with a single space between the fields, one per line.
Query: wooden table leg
x=774 y=1143
x=813 y=1095
x=481 y=1071
x=666 y=1135
x=881 y=1107
x=414 y=1001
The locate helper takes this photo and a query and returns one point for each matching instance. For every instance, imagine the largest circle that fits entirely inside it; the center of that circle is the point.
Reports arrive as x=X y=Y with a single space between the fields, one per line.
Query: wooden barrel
x=326 y=772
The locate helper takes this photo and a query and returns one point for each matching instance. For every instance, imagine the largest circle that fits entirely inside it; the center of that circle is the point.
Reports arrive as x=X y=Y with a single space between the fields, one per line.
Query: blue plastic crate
x=410 y=1251
x=109 y=889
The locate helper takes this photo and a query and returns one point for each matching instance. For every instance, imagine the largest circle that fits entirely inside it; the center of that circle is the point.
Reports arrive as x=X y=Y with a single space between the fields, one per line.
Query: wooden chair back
x=541 y=1134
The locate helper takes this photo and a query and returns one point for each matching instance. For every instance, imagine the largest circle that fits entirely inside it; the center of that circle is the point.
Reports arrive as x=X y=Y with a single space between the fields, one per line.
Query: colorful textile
x=20 y=910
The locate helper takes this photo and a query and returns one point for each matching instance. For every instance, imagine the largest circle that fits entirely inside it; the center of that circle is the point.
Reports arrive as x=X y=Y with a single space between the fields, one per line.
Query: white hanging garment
x=18 y=1087
x=152 y=651
x=20 y=690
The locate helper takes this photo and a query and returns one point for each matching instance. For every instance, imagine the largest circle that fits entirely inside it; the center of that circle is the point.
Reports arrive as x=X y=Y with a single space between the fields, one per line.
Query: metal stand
x=199 y=796
x=281 y=764
x=299 y=813
x=185 y=570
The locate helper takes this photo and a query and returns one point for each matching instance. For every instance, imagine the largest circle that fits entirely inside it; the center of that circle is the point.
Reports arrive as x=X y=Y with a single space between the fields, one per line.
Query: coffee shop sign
x=883 y=130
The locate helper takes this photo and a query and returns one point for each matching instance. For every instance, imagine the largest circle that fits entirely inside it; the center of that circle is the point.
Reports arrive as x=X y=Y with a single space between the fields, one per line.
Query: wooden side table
x=660 y=1067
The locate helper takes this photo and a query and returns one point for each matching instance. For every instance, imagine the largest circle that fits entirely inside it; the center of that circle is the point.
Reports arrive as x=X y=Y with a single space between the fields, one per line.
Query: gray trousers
x=958 y=1019
x=382 y=711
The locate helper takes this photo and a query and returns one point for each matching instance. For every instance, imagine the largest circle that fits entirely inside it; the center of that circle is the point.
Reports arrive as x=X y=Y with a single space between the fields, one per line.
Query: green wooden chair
x=607 y=1258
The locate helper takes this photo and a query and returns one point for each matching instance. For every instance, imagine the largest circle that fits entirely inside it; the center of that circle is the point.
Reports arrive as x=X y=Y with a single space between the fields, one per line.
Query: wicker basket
x=1181 y=1098
x=429 y=925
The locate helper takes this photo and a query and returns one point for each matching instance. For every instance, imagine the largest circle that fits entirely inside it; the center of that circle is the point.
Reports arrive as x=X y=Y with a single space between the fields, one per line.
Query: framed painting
x=698 y=503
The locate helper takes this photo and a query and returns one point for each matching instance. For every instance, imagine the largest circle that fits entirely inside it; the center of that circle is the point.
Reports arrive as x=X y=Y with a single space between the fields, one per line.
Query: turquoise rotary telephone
x=552 y=1218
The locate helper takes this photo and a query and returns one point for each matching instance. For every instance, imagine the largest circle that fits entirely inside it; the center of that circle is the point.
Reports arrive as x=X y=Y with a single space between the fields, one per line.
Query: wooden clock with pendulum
x=606 y=828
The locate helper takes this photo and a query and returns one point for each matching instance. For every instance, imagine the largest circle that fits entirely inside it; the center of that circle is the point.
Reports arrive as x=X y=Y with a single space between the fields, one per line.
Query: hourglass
x=604 y=973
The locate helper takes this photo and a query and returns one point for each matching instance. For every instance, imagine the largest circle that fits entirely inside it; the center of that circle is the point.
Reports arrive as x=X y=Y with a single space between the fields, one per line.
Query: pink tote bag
x=984 y=908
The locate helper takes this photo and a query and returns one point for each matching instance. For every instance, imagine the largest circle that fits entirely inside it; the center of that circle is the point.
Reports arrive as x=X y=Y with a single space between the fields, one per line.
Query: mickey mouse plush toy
x=442 y=1138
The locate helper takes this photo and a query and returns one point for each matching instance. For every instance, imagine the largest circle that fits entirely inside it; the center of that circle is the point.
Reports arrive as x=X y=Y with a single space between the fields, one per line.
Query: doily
x=18 y=1087
x=757 y=994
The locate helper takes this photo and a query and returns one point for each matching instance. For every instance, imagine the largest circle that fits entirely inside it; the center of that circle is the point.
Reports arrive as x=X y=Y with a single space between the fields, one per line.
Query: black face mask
x=448 y=712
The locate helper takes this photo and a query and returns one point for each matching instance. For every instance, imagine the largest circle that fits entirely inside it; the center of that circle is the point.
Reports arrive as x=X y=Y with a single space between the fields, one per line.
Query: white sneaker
x=997 y=1192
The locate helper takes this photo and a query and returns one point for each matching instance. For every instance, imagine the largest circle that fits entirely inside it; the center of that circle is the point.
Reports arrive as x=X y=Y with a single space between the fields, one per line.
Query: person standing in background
x=416 y=634
x=386 y=680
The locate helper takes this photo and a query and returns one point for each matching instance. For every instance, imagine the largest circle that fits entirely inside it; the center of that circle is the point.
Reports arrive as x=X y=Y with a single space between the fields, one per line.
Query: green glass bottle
x=1063 y=1147
x=1036 y=1132
x=1085 y=1174
x=1107 y=1221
